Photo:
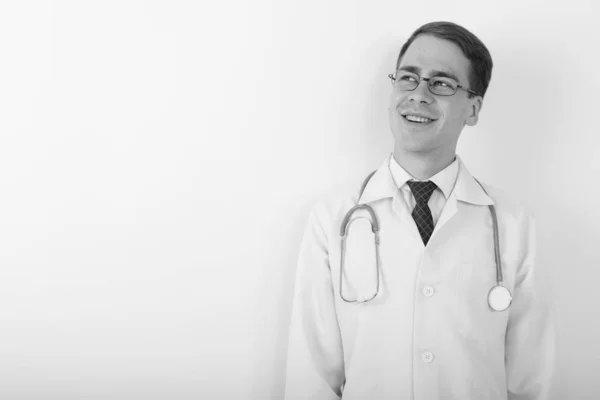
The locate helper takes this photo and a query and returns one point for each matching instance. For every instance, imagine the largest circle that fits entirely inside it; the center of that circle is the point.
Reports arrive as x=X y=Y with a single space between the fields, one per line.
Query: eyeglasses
x=438 y=85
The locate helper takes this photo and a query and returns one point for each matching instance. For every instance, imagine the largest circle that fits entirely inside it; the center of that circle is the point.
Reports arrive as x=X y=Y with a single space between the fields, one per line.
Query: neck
x=422 y=166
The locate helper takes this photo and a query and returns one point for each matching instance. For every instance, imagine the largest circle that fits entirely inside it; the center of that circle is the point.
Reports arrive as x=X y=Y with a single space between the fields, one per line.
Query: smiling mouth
x=416 y=119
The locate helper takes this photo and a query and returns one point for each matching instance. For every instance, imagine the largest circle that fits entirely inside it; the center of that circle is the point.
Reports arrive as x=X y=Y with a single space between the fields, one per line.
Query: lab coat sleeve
x=530 y=335
x=315 y=364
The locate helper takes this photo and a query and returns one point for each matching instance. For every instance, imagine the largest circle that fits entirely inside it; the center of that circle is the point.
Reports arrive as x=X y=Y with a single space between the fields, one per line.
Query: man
x=422 y=322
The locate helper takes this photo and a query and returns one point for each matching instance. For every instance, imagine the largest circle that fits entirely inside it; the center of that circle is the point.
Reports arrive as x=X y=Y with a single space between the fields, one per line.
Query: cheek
x=394 y=101
x=454 y=115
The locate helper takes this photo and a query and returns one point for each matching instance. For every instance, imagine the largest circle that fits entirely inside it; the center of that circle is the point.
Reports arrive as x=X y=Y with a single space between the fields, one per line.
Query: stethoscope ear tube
x=374 y=220
x=343 y=233
x=375 y=229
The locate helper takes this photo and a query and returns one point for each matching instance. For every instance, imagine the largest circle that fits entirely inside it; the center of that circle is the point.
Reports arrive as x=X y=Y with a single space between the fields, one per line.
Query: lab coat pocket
x=476 y=321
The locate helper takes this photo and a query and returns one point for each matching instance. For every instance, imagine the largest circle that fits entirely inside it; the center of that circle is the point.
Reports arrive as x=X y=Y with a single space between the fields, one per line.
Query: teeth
x=417 y=119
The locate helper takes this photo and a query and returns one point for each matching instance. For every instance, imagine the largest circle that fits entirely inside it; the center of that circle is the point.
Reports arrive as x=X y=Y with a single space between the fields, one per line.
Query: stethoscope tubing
x=375 y=229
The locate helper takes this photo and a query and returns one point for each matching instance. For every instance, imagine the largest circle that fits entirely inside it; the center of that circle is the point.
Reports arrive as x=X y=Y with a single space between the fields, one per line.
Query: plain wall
x=158 y=161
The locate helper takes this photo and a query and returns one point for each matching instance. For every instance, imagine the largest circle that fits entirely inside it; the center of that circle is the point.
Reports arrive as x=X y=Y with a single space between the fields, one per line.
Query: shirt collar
x=381 y=184
x=445 y=179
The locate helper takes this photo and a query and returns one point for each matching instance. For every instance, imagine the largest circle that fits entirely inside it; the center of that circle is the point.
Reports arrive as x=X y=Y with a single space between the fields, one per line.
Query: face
x=446 y=116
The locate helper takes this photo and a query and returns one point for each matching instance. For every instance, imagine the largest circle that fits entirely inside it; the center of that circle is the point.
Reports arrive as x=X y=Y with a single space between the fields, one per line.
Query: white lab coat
x=429 y=334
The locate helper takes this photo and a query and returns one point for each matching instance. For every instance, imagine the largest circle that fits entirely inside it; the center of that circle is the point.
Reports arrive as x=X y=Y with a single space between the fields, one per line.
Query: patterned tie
x=422 y=214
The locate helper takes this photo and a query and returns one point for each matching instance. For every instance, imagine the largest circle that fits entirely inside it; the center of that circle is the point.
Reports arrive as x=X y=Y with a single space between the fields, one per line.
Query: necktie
x=421 y=213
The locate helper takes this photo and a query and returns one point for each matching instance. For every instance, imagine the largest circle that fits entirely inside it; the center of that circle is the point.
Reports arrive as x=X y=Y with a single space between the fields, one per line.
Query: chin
x=413 y=142
x=412 y=146
x=415 y=148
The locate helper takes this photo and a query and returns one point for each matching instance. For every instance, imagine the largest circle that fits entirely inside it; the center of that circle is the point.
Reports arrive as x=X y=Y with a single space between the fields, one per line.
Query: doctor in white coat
x=429 y=332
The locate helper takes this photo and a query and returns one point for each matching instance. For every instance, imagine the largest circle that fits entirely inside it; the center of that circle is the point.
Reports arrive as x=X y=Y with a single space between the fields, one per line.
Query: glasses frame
x=393 y=78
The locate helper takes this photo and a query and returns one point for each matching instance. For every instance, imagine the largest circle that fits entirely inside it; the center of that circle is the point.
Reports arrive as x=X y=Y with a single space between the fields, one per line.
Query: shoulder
x=338 y=196
x=331 y=205
x=508 y=205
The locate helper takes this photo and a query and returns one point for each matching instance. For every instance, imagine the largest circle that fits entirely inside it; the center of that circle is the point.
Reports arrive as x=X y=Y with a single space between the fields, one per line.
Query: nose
x=421 y=94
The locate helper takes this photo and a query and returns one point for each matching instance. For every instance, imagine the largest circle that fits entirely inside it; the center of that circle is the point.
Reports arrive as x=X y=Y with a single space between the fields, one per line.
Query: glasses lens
x=406 y=80
x=443 y=86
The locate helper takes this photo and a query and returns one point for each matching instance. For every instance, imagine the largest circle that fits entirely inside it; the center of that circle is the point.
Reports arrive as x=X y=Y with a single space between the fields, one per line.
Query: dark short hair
x=481 y=60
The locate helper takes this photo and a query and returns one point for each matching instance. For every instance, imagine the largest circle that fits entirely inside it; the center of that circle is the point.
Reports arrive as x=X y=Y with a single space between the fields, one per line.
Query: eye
x=443 y=83
x=406 y=78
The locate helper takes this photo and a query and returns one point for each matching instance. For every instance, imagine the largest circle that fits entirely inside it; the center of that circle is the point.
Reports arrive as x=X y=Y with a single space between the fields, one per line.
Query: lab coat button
x=427 y=357
x=428 y=291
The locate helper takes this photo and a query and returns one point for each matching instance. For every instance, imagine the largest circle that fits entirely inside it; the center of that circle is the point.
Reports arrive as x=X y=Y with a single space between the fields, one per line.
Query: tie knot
x=422 y=190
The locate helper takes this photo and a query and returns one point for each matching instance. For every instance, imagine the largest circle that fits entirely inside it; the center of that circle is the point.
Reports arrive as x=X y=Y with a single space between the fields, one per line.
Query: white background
x=158 y=160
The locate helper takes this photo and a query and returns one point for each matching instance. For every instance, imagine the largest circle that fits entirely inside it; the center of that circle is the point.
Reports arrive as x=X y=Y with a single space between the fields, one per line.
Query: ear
x=474 y=108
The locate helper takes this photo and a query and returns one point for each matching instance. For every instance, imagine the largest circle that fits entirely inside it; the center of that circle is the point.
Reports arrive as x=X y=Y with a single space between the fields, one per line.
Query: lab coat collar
x=468 y=189
x=382 y=186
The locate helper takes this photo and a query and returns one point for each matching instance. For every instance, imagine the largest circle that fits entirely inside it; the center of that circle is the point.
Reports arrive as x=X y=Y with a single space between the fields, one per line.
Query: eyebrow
x=435 y=72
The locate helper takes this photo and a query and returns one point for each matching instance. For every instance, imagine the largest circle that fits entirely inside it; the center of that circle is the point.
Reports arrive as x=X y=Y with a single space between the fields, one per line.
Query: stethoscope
x=499 y=296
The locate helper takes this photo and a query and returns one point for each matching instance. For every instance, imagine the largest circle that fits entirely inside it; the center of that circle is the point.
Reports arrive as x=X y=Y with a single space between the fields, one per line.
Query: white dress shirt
x=445 y=180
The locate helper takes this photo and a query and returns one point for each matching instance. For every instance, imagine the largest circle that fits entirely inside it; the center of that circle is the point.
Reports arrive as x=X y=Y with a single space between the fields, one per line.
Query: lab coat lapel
x=466 y=189
x=448 y=212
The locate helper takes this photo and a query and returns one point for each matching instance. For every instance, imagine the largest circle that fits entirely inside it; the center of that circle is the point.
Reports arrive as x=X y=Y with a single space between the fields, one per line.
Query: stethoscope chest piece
x=499 y=298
